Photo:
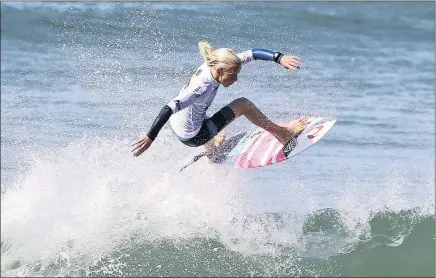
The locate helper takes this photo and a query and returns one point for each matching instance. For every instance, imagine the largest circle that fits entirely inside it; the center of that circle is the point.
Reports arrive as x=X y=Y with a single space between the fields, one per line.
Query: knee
x=244 y=103
x=241 y=106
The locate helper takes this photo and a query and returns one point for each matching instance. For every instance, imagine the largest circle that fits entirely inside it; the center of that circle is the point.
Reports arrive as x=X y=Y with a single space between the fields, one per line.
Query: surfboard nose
x=312 y=122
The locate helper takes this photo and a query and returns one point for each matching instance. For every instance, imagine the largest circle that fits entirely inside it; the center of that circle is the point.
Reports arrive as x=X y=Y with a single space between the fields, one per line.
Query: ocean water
x=81 y=82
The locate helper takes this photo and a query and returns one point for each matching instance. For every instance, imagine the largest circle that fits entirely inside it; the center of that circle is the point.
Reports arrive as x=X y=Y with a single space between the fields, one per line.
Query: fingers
x=136 y=143
x=292 y=63
x=141 y=141
x=137 y=147
x=289 y=67
x=141 y=146
x=138 y=153
x=140 y=150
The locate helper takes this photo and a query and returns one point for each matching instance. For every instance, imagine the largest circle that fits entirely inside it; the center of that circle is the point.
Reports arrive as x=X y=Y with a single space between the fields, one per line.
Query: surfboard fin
x=220 y=154
x=197 y=157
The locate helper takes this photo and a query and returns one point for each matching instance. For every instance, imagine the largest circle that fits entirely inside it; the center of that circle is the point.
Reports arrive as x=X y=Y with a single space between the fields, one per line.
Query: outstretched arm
x=289 y=62
x=180 y=102
x=145 y=142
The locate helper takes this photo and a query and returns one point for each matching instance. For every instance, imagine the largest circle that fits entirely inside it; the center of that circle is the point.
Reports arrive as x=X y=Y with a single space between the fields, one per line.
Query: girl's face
x=228 y=76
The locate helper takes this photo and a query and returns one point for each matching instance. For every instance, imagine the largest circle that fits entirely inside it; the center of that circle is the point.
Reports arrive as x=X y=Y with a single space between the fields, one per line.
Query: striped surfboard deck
x=260 y=148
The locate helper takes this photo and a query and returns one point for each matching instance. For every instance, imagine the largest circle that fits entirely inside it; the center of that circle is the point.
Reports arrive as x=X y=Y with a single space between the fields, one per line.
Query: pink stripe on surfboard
x=255 y=157
x=252 y=151
x=242 y=159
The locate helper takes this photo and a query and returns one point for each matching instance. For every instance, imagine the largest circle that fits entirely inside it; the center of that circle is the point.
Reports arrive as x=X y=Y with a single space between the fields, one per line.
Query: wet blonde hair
x=221 y=58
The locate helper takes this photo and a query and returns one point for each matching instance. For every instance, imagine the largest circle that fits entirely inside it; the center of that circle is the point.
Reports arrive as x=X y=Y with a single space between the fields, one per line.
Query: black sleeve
x=160 y=121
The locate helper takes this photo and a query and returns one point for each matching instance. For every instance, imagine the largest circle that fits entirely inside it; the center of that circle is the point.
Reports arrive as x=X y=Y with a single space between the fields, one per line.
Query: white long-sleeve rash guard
x=190 y=105
x=187 y=110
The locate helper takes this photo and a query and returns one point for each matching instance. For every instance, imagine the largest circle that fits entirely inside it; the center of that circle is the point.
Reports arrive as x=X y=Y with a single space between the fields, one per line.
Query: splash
x=76 y=206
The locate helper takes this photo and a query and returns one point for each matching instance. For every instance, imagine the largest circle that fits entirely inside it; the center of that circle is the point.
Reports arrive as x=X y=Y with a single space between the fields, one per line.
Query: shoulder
x=198 y=83
x=202 y=74
x=246 y=56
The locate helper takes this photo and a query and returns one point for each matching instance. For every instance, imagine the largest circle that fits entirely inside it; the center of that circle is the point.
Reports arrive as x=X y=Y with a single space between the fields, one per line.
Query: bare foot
x=294 y=129
x=216 y=142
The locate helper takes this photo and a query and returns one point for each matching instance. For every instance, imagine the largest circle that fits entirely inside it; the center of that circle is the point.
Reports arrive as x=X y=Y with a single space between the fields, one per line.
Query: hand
x=142 y=145
x=290 y=62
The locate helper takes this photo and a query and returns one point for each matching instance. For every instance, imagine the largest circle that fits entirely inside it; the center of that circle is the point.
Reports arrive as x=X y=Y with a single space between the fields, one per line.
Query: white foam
x=81 y=202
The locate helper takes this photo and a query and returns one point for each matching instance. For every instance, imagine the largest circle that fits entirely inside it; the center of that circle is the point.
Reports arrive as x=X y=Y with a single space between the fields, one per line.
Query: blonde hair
x=222 y=58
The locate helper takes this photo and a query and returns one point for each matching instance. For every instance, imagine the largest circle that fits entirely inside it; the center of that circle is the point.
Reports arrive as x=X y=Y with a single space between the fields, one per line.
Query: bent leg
x=220 y=120
x=243 y=106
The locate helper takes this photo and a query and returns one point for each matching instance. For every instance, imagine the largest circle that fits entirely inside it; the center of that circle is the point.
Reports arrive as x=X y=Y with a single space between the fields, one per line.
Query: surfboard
x=260 y=148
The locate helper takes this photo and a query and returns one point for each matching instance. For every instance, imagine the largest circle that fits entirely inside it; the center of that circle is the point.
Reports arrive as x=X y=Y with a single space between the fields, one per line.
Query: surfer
x=187 y=111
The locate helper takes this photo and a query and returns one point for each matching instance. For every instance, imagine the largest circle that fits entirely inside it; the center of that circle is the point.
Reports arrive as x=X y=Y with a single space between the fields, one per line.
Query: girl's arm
x=289 y=62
